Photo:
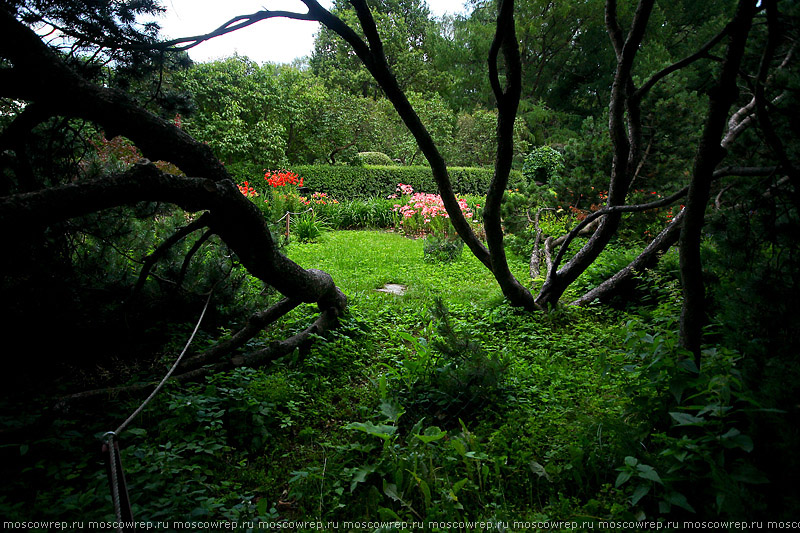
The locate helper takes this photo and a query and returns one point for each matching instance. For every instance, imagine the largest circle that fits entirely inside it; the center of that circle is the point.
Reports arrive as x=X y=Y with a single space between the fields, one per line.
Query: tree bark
x=646 y=259
x=505 y=40
x=625 y=130
x=709 y=154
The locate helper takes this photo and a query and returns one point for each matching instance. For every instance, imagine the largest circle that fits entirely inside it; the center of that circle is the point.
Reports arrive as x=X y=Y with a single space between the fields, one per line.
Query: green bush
x=442 y=249
x=542 y=164
x=306 y=227
x=448 y=375
x=375 y=158
x=356 y=214
x=347 y=183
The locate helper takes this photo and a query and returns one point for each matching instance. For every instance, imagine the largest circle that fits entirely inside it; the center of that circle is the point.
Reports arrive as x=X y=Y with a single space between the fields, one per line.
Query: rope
x=112 y=461
x=169 y=374
x=110 y=436
x=293 y=213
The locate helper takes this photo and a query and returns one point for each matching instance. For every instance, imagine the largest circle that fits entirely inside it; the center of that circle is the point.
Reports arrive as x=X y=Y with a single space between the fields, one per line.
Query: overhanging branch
x=236 y=23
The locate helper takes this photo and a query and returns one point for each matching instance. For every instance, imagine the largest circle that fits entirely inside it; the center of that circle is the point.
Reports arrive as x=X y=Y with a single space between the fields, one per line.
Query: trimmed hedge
x=348 y=183
x=375 y=158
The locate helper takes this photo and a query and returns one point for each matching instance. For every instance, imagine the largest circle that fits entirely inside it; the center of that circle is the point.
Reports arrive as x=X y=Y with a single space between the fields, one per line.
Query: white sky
x=274 y=40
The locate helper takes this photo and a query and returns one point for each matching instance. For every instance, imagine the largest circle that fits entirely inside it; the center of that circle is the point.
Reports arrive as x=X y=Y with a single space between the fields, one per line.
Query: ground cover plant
x=440 y=404
x=378 y=376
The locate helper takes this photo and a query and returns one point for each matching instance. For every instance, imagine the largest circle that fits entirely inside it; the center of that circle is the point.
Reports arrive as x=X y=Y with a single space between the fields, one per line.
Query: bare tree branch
x=254 y=324
x=625 y=131
x=236 y=23
x=767 y=127
x=189 y=255
x=685 y=62
x=663 y=202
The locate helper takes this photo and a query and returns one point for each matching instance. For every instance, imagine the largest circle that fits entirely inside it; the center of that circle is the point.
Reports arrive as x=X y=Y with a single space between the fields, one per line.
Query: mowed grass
x=363 y=261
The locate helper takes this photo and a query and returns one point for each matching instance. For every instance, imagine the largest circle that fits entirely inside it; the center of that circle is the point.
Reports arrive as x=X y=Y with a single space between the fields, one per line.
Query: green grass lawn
x=362 y=261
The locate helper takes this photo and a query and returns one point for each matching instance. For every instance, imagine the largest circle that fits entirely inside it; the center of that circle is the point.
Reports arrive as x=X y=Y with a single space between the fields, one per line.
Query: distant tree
x=407 y=32
x=238 y=112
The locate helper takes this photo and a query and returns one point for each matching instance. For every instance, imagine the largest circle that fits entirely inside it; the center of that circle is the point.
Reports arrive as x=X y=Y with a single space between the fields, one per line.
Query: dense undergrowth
x=440 y=404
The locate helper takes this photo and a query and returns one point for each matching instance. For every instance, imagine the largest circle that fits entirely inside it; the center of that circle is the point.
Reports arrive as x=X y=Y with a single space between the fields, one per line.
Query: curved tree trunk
x=625 y=129
x=709 y=154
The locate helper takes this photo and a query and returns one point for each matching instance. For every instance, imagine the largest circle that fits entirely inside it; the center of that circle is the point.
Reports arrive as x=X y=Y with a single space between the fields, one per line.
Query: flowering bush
x=282 y=178
x=423 y=213
x=283 y=195
x=247 y=190
x=318 y=198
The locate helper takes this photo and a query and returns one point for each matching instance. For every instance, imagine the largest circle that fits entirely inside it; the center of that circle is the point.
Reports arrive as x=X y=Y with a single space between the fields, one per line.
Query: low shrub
x=542 y=164
x=306 y=227
x=439 y=249
x=375 y=213
x=695 y=454
x=424 y=214
x=375 y=158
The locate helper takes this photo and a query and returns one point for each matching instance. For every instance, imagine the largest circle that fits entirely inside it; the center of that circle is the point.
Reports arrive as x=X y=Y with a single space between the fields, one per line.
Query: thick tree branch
x=254 y=324
x=613 y=28
x=663 y=202
x=663 y=241
x=234 y=218
x=324 y=322
x=625 y=132
x=37 y=70
x=614 y=209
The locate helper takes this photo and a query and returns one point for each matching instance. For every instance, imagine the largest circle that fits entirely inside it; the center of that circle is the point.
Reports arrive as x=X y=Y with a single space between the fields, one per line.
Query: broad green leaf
x=640 y=492
x=262 y=506
x=382 y=431
x=458 y=485
x=676 y=498
x=432 y=433
x=734 y=439
x=648 y=472
x=360 y=476
x=685 y=419
x=390 y=489
x=622 y=478
x=391 y=410
x=689 y=365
